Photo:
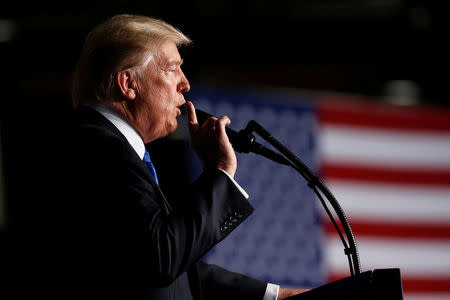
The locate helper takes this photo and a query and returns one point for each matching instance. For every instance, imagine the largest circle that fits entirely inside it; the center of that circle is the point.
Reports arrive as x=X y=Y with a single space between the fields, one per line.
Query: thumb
x=222 y=122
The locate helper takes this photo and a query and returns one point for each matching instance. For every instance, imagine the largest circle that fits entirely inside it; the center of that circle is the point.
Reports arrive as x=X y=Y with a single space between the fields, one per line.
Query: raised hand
x=210 y=141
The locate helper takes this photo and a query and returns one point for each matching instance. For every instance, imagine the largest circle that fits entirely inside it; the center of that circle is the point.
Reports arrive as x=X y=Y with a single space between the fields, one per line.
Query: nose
x=183 y=86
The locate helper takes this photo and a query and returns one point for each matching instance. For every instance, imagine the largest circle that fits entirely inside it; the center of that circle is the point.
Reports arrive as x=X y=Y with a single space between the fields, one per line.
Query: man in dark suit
x=119 y=237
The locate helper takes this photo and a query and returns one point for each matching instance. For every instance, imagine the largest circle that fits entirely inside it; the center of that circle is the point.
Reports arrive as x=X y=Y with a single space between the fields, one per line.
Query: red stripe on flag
x=334 y=170
x=398 y=230
x=415 y=284
x=419 y=285
x=334 y=111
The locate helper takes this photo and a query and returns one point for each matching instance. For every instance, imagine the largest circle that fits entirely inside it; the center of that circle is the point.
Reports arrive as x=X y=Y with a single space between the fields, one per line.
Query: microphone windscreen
x=202 y=116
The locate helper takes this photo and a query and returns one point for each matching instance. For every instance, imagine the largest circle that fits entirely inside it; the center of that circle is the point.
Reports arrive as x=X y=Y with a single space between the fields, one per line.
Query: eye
x=170 y=69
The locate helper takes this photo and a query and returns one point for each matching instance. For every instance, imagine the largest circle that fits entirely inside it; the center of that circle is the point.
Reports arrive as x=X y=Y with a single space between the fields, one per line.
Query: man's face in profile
x=161 y=92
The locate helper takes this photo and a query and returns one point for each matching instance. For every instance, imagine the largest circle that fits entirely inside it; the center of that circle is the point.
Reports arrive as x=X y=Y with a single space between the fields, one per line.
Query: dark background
x=346 y=46
x=352 y=46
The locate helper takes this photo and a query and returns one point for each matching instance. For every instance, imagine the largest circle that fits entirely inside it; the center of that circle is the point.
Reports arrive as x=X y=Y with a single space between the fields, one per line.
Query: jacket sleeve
x=179 y=239
x=221 y=284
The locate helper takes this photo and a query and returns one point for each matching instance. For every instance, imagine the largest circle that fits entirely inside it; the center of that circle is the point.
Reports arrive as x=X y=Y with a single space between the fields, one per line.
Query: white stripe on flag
x=429 y=296
x=392 y=203
x=416 y=257
x=406 y=149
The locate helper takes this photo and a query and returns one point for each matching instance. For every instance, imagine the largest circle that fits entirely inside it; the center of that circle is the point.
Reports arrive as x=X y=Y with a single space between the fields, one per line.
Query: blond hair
x=121 y=42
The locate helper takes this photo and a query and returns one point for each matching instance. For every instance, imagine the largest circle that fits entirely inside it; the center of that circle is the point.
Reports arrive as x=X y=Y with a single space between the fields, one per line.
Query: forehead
x=168 y=52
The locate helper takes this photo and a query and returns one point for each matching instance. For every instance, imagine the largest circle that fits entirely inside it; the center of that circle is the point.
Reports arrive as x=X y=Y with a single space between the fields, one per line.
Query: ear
x=125 y=80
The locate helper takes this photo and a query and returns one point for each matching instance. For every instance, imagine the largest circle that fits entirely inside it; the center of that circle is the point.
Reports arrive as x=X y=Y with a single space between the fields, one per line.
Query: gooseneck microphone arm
x=317 y=185
x=244 y=142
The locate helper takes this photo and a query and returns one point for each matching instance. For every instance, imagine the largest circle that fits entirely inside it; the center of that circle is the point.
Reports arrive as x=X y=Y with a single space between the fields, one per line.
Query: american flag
x=389 y=168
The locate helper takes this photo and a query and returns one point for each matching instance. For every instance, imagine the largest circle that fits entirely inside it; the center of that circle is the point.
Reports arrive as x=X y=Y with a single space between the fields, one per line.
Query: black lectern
x=382 y=284
x=378 y=284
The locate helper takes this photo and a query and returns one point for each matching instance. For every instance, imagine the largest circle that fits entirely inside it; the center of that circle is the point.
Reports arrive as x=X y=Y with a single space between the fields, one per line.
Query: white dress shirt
x=138 y=145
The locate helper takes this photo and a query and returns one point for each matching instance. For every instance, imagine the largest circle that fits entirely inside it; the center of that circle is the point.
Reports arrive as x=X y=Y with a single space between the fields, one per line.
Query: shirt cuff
x=271 y=292
x=237 y=185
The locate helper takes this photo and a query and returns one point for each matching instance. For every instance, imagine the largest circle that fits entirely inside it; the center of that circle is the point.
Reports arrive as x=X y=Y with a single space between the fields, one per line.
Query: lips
x=180 y=108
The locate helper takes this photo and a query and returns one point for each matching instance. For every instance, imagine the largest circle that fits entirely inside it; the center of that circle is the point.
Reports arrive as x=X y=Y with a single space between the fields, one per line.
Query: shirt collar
x=124 y=127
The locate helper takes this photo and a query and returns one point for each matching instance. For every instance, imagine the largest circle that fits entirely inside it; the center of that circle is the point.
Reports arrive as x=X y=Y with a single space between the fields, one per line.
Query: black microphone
x=244 y=141
x=241 y=141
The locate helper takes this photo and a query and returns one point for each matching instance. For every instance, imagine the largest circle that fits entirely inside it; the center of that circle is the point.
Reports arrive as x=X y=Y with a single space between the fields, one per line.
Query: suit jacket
x=114 y=235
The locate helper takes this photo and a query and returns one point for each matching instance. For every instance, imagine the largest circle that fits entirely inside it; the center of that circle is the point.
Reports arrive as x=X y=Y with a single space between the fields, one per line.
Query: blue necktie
x=149 y=165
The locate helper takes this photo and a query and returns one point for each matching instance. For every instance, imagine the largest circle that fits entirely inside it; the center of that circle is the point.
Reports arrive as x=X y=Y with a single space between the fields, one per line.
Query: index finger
x=192 y=116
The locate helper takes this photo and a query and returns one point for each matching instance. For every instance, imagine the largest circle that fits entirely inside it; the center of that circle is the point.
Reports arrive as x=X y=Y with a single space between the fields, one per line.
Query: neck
x=127 y=112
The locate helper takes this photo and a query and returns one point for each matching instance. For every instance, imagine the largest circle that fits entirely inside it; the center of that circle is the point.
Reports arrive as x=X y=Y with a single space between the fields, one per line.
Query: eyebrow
x=175 y=62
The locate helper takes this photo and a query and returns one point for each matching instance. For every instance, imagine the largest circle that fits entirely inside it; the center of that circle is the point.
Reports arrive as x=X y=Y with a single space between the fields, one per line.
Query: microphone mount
x=313 y=182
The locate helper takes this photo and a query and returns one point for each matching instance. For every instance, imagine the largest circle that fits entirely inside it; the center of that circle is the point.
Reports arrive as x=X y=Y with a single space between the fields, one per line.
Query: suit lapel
x=87 y=115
